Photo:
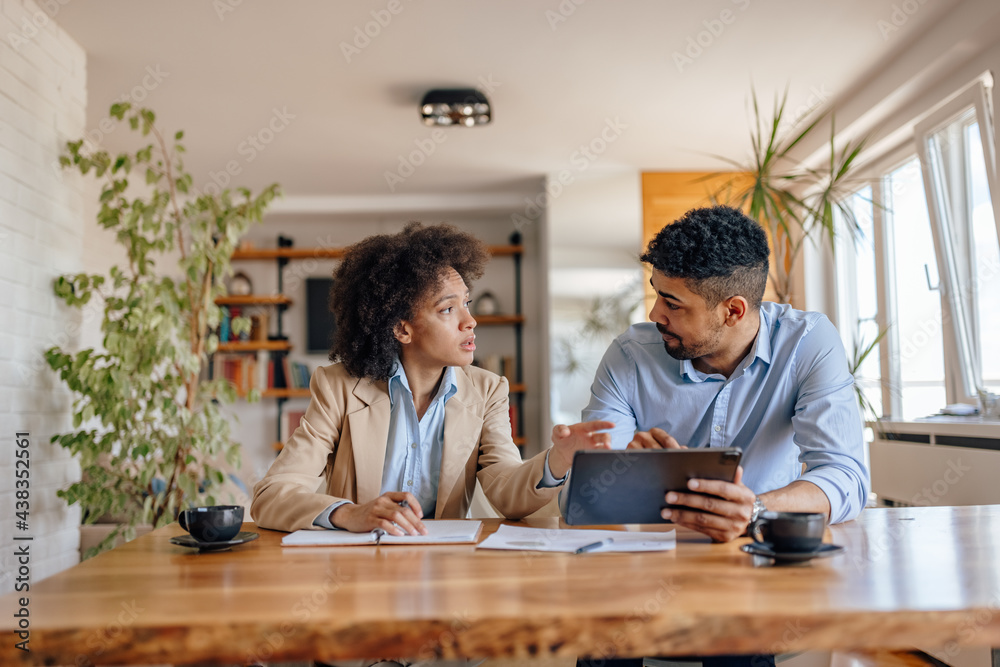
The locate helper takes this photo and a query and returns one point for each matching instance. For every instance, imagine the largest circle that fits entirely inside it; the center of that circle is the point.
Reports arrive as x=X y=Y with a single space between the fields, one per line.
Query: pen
x=595 y=545
x=404 y=504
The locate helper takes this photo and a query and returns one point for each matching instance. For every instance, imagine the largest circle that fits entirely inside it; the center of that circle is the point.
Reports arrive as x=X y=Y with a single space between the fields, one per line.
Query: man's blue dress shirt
x=790 y=402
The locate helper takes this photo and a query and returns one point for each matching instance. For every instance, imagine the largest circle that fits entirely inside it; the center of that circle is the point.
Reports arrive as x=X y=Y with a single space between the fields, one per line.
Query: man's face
x=690 y=329
x=441 y=332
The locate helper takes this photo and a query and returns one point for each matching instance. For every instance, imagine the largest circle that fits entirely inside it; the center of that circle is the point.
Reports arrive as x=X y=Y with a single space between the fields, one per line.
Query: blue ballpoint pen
x=595 y=545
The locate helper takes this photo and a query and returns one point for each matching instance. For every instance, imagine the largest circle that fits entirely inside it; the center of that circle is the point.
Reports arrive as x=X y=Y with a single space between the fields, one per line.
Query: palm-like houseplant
x=791 y=201
x=148 y=429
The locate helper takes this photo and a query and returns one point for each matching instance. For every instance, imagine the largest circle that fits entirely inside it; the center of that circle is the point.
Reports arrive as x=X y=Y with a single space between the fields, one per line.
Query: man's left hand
x=723 y=508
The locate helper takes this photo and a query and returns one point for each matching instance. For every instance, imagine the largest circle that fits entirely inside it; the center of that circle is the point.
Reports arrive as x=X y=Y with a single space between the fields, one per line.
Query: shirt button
x=413 y=446
x=409 y=482
x=718 y=428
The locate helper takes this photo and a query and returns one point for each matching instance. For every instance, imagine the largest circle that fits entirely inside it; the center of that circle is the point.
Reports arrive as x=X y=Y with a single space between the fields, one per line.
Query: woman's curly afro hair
x=382 y=281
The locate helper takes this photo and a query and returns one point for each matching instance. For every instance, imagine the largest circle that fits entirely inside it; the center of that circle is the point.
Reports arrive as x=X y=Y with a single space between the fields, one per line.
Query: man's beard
x=701 y=348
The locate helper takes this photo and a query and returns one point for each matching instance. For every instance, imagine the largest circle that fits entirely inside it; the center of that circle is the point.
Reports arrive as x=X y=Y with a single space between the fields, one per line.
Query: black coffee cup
x=789 y=532
x=218 y=523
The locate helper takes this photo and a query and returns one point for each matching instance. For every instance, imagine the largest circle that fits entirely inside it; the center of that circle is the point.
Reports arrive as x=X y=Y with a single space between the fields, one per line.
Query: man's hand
x=386 y=512
x=566 y=440
x=655 y=438
x=725 y=510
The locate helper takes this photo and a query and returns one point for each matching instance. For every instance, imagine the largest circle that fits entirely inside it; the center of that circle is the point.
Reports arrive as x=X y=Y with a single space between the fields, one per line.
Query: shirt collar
x=397 y=382
x=761 y=349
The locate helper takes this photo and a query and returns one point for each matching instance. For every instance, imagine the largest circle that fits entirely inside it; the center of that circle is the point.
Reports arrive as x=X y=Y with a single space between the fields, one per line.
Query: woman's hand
x=396 y=512
x=567 y=440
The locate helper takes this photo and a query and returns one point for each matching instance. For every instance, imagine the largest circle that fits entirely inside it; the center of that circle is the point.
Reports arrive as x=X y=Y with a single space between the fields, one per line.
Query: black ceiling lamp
x=455 y=106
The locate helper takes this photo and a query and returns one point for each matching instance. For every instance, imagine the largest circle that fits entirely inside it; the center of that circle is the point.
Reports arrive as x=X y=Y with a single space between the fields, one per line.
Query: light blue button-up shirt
x=415 y=446
x=413 y=451
x=790 y=402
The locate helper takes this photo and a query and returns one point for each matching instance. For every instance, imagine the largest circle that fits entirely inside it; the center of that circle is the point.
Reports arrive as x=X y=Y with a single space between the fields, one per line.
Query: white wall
x=42 y=104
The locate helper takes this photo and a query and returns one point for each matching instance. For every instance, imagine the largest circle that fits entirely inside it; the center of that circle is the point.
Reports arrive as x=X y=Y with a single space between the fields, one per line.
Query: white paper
x=569 y=540
x=438 y=532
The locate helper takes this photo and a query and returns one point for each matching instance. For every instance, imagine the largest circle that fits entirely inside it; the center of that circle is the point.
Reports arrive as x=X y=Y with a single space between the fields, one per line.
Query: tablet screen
x=629 y=485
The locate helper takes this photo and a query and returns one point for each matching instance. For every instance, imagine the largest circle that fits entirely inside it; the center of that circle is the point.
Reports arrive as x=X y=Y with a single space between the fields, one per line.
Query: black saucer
x=188 y=541
x=823 y=551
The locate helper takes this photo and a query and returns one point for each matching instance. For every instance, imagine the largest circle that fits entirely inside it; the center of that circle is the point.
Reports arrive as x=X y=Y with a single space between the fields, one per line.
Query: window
x=956 y=147
x=858 y=314
x=986 y=257
x=923 y=264
x=915 y=335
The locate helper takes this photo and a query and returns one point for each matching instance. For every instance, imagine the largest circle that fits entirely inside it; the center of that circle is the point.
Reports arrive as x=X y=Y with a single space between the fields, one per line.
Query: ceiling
x=560 y=73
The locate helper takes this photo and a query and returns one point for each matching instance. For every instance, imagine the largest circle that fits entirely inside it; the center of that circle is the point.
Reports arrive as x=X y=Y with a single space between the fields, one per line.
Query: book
x=290 y=420
x=440 y=531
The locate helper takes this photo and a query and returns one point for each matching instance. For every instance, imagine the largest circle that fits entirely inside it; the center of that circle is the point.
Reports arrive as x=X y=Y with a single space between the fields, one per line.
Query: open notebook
x=438 y=532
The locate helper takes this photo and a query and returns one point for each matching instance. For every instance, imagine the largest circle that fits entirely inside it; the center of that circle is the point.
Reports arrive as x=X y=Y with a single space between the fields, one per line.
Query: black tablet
x=629 y=485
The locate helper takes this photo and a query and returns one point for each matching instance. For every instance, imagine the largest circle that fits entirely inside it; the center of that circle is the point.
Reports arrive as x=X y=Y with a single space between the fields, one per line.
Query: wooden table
x=921 y=576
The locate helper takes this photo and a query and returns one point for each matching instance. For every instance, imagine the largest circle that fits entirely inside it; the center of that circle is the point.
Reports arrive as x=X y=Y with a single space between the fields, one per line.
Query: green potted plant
x=792 y=202
x=148 y=430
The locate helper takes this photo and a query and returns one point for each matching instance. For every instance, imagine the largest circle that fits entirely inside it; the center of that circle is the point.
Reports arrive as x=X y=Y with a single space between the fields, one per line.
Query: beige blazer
x=343 y=437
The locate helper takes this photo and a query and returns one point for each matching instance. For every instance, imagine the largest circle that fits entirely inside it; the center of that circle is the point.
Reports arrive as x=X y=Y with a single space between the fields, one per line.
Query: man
x=716 y=367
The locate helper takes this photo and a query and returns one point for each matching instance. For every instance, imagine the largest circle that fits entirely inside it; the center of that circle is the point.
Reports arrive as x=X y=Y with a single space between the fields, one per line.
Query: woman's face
x=441 y=331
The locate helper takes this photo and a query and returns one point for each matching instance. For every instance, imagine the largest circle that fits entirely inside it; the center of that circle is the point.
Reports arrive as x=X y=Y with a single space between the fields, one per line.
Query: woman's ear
x=403 y=331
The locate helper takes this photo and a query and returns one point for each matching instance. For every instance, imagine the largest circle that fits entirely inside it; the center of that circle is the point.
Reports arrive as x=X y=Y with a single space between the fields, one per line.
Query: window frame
x=947 y=194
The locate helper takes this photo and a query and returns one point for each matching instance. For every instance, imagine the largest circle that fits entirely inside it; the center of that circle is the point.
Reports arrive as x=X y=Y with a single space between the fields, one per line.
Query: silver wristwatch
x=758 y=507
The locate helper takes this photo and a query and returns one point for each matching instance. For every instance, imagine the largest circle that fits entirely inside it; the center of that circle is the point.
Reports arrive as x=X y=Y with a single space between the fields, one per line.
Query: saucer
x=824 y=550
x=188 y=541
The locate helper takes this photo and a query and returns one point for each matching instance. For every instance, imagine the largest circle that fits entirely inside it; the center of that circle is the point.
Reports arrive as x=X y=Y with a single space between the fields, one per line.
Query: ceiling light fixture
x=455 y=106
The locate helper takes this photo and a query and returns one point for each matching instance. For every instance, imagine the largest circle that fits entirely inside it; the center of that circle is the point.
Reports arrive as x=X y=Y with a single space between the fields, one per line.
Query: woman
x=402 y=426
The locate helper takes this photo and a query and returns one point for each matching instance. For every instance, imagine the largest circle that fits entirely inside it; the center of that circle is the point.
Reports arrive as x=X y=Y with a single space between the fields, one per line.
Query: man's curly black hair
x=718 y=251
x=383 y=280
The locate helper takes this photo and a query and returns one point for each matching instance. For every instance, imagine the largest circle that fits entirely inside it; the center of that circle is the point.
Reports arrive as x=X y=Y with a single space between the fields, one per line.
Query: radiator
x=937 y=461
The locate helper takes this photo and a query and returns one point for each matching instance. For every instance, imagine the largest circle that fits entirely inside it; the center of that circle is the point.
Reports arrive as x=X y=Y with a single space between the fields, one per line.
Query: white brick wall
x=42 y=229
